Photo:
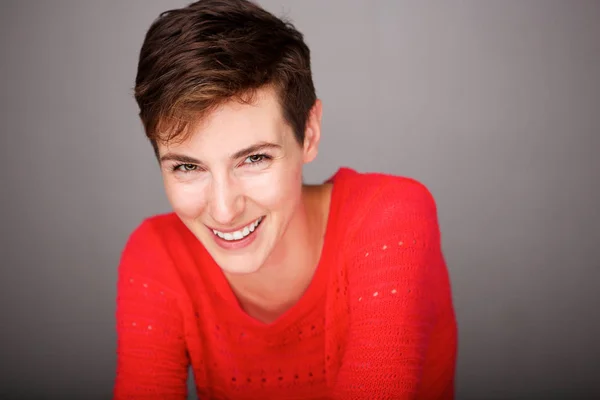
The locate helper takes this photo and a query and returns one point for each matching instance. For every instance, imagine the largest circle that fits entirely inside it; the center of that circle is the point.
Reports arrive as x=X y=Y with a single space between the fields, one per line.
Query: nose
x=226 y=200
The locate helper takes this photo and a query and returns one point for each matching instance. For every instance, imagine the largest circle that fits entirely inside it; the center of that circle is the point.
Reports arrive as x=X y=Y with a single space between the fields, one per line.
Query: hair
x=196 y=58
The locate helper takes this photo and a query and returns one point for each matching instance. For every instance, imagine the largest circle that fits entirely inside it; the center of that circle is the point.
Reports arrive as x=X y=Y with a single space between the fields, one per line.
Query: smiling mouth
x=239 y=234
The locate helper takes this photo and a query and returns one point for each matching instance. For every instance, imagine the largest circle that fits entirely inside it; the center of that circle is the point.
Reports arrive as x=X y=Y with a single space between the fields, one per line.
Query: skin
x=240 y=163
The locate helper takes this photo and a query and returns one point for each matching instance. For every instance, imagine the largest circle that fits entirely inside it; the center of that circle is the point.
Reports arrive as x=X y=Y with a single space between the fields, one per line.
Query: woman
x=266 y=287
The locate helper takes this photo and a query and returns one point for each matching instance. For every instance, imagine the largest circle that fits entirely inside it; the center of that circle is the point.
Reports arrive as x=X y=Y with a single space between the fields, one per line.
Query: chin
x=238 y=264
x=238 y=268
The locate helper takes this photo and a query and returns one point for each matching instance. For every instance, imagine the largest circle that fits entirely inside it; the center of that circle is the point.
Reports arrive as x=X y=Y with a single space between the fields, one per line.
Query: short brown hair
x=198 y=57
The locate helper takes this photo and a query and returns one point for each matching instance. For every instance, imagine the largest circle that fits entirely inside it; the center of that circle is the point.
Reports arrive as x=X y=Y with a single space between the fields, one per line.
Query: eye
x=185 y=167
x=255 y=158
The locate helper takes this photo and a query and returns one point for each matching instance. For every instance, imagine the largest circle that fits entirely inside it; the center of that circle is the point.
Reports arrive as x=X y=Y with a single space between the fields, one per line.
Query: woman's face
x=236 y=183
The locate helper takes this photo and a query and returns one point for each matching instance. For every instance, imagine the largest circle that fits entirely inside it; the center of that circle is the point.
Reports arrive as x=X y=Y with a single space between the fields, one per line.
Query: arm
x=402 y=332
x=440 y=360
x=151 y=352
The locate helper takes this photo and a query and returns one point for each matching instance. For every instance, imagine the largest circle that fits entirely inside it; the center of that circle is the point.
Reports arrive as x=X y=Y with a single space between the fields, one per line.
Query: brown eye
x=255 y=158
x=185 y=167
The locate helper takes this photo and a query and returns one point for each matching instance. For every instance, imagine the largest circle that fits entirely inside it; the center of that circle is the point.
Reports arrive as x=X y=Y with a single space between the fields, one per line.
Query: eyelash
x=262 y=158
x=178 y=168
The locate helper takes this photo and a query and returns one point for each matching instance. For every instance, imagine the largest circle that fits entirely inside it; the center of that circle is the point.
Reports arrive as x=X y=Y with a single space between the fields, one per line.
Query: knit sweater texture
x=376 y=322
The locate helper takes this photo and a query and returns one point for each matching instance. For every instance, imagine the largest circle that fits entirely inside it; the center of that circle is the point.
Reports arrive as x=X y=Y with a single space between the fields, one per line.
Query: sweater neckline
x=313 y=295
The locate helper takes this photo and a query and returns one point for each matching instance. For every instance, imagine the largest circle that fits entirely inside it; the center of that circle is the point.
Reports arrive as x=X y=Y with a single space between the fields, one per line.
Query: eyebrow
x=238 y=154
x=255 y=148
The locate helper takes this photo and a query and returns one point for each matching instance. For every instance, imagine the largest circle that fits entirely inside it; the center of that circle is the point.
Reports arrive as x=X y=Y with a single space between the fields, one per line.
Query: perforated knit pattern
x=376 y=322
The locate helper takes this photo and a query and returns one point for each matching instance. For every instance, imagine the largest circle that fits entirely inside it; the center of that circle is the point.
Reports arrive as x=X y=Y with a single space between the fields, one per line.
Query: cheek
x=279 y=188
x=187 y=199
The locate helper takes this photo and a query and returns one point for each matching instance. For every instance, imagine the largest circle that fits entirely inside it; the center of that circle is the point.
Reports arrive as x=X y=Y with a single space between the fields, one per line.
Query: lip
x=237 y=244
x=231 y=230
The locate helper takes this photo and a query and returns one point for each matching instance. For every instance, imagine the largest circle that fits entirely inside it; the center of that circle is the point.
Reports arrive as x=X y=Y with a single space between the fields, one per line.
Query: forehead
x=237 y=124
x=259 y=113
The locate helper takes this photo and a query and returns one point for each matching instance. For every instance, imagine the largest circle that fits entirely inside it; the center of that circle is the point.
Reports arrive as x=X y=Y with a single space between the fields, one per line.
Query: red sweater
x=376 y=322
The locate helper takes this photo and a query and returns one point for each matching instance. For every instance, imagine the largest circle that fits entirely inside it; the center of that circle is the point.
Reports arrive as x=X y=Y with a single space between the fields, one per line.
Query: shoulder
x=148 y=250
x=153 y=233
x=384 y=201
x=394 y=241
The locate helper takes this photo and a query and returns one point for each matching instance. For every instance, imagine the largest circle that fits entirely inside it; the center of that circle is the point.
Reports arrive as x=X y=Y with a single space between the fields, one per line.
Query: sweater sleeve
x=402 y=330
x=151 y=353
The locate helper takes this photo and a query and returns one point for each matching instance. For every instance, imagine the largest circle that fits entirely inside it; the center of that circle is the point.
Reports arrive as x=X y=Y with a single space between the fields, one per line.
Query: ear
x=312 y=132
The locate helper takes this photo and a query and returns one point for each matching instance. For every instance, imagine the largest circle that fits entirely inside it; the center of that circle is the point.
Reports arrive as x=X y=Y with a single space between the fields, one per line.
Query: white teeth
x=240 y=234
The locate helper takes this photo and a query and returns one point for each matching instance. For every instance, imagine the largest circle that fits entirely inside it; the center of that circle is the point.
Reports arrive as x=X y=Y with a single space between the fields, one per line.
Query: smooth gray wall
x=495 y=105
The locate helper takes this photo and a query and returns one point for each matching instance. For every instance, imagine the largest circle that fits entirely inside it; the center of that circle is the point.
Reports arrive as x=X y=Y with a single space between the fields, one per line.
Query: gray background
x=494 y=105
